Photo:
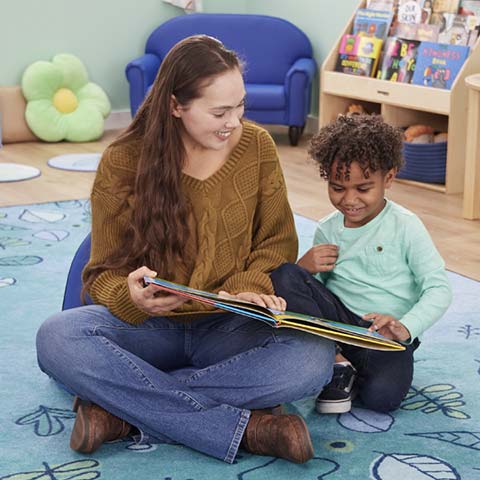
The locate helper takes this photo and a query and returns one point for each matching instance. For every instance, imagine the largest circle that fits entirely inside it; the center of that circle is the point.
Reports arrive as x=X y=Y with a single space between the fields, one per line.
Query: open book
x=339 y=332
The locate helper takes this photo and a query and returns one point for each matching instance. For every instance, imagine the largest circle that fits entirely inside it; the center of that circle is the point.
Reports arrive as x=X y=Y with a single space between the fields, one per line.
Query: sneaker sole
x=341 y=406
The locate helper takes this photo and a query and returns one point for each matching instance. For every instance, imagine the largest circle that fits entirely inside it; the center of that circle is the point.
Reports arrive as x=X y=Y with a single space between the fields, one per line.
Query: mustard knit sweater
x=243 y=225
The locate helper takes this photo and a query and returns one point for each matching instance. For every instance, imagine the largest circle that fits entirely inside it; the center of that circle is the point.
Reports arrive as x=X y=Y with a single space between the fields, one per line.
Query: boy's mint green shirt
x=389 y=266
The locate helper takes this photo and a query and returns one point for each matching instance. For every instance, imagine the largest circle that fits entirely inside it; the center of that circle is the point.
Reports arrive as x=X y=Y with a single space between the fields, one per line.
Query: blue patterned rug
x=435 y=435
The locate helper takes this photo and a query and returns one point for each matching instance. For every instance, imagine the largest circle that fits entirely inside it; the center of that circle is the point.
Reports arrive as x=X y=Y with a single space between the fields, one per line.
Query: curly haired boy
x=372 y=264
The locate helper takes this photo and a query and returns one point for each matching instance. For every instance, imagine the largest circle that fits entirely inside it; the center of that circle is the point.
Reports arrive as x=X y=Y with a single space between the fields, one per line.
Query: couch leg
x=294 y=134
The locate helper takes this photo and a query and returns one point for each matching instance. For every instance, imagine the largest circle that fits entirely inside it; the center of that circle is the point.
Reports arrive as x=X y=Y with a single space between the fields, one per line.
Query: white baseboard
x=118 y=119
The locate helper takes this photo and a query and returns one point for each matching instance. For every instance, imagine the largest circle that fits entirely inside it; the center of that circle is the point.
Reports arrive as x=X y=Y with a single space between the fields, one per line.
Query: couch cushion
x=265 y=97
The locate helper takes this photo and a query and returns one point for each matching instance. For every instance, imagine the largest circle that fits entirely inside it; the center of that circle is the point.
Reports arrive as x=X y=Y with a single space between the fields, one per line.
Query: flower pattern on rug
x=46 y=421
x=78 y=470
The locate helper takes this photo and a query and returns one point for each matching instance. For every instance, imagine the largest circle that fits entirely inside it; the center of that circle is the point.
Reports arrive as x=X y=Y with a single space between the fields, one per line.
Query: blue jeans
x=192 y=383
x=384 y=378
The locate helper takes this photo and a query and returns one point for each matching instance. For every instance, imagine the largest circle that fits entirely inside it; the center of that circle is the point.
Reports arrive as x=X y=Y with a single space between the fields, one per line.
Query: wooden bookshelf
x=403 y=104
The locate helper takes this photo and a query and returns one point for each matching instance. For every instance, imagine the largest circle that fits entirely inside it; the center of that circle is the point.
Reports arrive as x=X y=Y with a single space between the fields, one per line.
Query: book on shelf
x=411 y=11
x=445 y=6
x=456 y=29
x=417 y=31
x=358 y=55
x=398 y=60
x=375 y=23
x=470 y=7
x=426 y=11
x=385 y=5
x=335 y=331
x=464 y=27
x=438 y=64
x=427 y=33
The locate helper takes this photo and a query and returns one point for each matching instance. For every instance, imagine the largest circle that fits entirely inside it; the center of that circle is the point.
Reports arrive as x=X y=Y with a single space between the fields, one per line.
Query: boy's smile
x=360 y=199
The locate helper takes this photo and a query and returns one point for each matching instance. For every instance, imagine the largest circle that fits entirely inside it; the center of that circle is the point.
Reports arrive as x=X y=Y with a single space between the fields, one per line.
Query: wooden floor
x=458 y=240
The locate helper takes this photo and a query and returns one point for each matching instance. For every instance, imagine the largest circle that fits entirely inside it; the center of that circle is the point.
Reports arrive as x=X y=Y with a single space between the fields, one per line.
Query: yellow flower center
x=65 y=100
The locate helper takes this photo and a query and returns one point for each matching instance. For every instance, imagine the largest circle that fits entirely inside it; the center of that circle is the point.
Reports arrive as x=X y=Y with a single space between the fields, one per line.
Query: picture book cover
x=438 y=64
x=398 y=60
x=410 y=11
x=456 y=29
x=427 y=11
x=427 y=32
x=445 y=6
x=375 y=23
x=417 y=31
x=408 y=31
x=470 y=7
x=358 y=55
x=336 y=331
x=385 y=5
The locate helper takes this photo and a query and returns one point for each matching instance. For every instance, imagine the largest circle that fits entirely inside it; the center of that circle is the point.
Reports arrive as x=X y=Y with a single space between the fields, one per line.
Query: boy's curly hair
x=365 y=139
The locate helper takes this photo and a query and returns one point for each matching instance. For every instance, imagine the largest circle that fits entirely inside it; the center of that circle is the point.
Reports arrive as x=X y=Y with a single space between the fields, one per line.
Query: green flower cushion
x=61 y=103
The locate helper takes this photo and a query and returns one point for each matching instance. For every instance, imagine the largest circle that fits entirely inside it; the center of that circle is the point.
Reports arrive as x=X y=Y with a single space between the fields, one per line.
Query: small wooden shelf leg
x=471 y=194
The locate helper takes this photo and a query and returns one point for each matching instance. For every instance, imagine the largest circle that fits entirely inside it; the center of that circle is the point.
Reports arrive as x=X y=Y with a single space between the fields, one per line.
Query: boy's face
x=360 y=199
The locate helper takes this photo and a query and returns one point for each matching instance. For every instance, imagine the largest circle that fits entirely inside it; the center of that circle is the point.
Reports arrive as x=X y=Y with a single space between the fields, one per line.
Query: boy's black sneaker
x=336 y=397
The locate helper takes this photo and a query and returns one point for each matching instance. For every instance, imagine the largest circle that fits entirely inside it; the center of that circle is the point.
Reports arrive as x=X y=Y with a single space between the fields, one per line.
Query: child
x=373 y=261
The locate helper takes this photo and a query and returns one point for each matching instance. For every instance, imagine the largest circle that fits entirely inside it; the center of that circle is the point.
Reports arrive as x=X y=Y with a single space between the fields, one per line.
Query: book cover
x=454 y=29
x=410 y=11
x=473 y=36
x=438 y=64
x=413 y=11
x=445 y=6
x=427 y=32
x=417 y=31
x=408 y=31
x=427 y=11
x=358 y=55
x=470 y=7
x=375 y=23
x=336 y=331
x=385 y=5
x=398 y=60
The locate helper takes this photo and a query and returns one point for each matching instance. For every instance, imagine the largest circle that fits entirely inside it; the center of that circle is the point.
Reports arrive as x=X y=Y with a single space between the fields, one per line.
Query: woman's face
x=210 y=120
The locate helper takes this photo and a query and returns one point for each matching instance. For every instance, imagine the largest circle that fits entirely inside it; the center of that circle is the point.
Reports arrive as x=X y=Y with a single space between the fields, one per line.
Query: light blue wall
x=225 y=6
x=107 y=34
x=104 y=34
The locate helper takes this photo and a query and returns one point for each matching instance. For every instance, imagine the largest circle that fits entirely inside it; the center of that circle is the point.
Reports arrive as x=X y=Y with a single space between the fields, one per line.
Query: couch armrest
x=303 y=65
x=298 y=85
x=140 y=74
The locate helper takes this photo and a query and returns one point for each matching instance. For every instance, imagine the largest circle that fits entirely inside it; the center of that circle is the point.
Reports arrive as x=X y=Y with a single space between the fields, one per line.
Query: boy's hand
x=320 y=258
x=387 y=326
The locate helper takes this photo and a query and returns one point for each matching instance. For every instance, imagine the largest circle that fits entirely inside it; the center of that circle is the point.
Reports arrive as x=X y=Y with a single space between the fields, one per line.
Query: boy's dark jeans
x=384 y=378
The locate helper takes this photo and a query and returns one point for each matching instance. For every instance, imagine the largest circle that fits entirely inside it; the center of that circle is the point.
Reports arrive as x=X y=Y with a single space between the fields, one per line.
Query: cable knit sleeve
x=111 y=207
x=274 y=239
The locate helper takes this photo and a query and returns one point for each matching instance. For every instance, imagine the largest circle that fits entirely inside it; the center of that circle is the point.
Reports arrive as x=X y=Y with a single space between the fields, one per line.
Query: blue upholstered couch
x=278 y=55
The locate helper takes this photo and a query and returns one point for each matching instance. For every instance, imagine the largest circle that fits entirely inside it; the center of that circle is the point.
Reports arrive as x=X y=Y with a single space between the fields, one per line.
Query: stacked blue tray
x=424 y=162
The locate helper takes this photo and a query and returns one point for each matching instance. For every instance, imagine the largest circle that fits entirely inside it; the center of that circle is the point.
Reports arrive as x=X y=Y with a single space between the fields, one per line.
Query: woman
x=191 y=193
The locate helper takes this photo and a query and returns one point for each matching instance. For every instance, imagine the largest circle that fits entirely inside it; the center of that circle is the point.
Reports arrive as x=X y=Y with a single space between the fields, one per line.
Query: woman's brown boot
x=94 y=426
x=282 y=436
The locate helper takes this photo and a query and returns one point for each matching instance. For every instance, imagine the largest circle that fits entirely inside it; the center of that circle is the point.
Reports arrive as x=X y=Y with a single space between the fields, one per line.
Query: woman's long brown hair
x=159 y=220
